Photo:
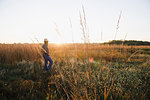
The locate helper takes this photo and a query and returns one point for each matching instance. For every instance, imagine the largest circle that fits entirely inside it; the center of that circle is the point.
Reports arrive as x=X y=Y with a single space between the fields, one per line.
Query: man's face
x=46 y=42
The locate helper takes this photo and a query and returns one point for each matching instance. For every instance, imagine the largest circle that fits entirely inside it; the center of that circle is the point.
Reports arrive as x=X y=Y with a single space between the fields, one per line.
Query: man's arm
x=43 y=50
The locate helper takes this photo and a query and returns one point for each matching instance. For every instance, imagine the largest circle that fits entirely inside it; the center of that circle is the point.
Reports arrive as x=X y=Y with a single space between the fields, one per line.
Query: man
x=45 y=52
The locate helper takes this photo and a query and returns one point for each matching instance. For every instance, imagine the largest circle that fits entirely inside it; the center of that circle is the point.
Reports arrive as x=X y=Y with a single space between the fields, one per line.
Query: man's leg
x=45 y=60
x=50 y=60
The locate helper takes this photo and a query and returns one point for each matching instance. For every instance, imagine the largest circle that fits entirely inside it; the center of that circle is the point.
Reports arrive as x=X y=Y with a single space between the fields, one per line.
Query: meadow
x=79 y=72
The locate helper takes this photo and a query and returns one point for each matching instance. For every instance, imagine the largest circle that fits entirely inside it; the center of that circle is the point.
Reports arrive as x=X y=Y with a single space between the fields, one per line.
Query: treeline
x=129 y=42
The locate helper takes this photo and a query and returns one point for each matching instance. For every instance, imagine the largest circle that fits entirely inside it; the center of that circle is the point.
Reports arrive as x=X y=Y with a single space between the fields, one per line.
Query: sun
x=58 y=42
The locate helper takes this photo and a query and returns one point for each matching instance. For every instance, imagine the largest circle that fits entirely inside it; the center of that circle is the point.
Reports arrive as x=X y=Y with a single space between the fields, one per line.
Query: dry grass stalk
x=73 y=39
x=86 y=94
x=101 y=35
x=87 y=74
x=74 y=79
x=107 y=92
x=57 y=30
x=117 y=27
x=66 y=94
x=124 y=38
x=134 y=54
x=85 y=31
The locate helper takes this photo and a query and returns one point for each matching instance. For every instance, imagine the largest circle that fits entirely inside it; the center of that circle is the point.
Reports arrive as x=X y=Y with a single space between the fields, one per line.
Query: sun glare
x=58 y=43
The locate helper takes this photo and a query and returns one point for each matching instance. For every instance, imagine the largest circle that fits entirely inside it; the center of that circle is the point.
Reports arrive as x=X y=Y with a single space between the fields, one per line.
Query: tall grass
x=110 y=75
x=117 y=27
x=12 y=53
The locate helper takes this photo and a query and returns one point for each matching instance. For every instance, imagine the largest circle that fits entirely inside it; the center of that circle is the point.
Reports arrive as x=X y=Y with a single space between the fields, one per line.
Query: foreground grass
x=107 y=72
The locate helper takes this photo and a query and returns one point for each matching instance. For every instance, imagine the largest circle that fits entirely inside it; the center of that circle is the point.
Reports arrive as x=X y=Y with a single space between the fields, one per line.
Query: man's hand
x=43 y=51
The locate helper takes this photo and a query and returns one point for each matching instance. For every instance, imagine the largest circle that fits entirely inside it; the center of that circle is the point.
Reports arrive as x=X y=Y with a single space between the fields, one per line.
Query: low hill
x=129 y=42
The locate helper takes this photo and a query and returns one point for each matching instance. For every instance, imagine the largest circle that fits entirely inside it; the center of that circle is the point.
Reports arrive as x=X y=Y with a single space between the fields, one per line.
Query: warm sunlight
x=58 y=43
x=74 y=49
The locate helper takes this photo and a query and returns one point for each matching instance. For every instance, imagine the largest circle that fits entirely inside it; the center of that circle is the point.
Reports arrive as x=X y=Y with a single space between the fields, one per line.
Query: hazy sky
x=24 y=20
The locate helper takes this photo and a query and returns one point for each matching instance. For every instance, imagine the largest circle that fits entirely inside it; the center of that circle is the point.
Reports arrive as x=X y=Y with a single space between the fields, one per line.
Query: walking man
x=47 y=58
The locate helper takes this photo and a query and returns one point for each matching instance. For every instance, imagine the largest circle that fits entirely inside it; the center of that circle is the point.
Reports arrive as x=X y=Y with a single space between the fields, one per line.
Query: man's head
x=45 y=41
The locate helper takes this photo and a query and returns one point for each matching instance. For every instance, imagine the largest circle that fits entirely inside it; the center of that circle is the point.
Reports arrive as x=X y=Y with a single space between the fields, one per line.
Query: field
x=79 y=72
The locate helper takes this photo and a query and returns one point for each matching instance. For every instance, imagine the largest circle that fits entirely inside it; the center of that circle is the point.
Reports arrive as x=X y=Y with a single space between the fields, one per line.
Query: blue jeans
x=46 y=59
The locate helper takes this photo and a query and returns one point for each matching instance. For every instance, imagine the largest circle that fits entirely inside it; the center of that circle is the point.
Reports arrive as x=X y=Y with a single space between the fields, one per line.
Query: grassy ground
x=79 y=71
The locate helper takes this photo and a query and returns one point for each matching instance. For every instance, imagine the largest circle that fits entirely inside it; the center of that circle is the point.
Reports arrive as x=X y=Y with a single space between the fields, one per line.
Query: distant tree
x=129 y=42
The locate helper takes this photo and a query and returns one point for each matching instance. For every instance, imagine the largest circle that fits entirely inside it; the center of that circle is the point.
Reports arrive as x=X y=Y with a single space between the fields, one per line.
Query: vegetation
x=101 y=72
x=129 y=42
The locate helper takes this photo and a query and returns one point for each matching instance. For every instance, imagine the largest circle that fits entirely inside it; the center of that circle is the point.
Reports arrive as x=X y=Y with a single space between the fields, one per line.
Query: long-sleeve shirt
x=45 y=47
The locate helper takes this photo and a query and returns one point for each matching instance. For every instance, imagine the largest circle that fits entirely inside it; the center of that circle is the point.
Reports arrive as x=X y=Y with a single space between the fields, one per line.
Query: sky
x=28 y=21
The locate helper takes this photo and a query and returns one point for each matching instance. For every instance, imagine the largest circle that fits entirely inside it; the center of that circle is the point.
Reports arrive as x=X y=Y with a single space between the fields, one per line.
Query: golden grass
x=72 y=76
x=12 y=53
